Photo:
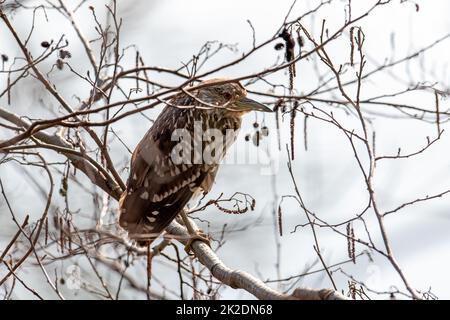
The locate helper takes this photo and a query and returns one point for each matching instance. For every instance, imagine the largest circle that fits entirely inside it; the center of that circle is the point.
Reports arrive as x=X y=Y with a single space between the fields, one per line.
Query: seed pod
x=289 y=54
x=45 y=44
x=290 y=44
x=247 y=137
x=59 y=64
x=64 y=186
x=300 y=40
x=5 y=58
x=255 y=125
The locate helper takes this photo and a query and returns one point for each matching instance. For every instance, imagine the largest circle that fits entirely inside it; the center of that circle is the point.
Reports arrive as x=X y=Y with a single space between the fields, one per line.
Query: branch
x=100 y=178
x=238 y=279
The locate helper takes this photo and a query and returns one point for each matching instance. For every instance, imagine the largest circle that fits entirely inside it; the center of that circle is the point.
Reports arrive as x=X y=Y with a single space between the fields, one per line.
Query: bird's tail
x=131 y=212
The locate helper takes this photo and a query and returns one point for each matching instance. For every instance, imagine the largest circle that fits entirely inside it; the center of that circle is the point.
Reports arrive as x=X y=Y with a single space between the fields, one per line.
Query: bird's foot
x=199 y=235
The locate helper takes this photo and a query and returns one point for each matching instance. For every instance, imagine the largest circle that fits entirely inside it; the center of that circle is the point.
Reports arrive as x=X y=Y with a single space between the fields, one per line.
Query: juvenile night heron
x=160 y=185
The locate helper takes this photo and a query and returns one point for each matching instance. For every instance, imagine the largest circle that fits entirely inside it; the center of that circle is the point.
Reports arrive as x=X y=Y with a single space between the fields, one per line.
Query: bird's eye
x=227 y=95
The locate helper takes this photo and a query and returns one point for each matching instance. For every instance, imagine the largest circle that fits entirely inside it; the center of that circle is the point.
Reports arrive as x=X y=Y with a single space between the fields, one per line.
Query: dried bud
x=64 y=54
x=4 y=57
x=45 y=44
x=91 y=8
x=265 y=131
x=255 y=125
x=247 y=137
x=279 y=46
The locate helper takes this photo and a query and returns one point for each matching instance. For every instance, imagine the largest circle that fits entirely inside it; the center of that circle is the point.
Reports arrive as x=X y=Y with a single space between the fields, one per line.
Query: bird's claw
x=198 y=236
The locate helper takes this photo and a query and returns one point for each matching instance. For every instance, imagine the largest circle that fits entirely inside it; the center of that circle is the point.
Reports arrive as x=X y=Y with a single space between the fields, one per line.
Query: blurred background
x=167 y=34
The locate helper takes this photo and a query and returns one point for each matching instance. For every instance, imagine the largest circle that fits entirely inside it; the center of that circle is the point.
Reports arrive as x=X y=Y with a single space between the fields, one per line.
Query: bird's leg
x=194 y=233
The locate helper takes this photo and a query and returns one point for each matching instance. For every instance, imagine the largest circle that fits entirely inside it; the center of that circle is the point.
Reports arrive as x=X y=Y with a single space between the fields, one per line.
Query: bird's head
x=230 y=96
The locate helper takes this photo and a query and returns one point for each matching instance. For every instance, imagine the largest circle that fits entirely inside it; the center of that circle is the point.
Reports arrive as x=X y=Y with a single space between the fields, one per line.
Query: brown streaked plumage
x=158 y=187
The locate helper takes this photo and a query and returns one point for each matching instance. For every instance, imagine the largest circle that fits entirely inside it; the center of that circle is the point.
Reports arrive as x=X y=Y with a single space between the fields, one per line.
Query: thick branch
x=238 y=279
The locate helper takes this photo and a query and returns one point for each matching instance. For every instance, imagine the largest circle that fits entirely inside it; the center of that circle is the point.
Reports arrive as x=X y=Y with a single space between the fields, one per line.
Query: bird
x=167 y=169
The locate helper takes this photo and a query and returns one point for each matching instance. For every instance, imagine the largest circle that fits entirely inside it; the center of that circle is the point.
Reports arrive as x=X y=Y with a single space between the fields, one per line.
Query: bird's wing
x=157 y=189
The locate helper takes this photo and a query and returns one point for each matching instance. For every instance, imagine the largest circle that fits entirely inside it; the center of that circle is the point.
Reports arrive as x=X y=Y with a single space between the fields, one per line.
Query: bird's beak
x=246 y=104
